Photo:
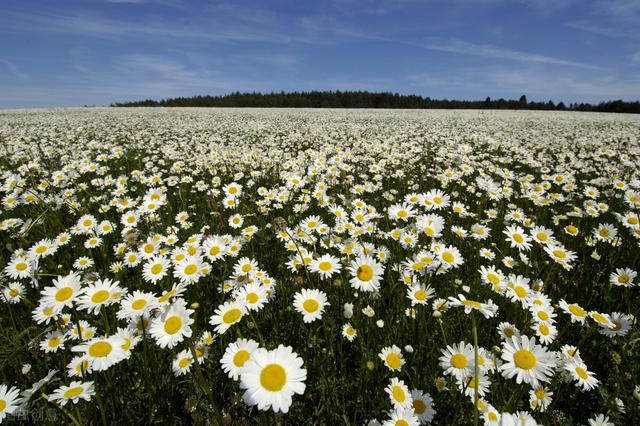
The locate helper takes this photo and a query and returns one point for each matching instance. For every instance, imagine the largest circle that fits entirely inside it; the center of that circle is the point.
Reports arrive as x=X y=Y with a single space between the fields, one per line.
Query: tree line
x=364 y=99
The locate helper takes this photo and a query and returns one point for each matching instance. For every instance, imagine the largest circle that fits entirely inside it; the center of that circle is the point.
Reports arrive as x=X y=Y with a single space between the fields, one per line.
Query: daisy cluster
x=400 y=268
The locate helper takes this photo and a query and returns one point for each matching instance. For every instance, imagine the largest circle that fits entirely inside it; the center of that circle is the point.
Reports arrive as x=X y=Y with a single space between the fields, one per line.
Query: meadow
x=294 y=267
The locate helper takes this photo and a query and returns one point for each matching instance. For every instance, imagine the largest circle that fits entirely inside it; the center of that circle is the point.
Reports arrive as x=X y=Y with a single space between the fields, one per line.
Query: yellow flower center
x=540 y=394
x=394 y=360
x=173 y=324
x=156 y=269
x=493 y=279
x=448 y=257
x=543 y=315
x=577 y=311
x=183 y=362
x=600 y=318
x=100 y=349
x=70 y=393
x=100 y=296
x=401 y=422
x=419 y=406
x=582 y=373
x=364 y=273
x=21 y=266
x=623 y=279
x=246 y=268
x=252 y=298
x=560 y=254
x=420 y=295
x=231 y=316
x=518 y=238
x=139 y=304
x=241 y=357
x=403 y=213
x=13 y=292
x=524 y=359
x=521 y=292
x=544 y=330
x=273 y=377
x=64 y=293
x=41 y=249
x=542 y=236
x=398 y=394
x=310 y=305
x=472 y=303
x=459 y=361
x=214 y=250
x=127 y=344
x=54 y=342
x=325 y=266
x=190 y=269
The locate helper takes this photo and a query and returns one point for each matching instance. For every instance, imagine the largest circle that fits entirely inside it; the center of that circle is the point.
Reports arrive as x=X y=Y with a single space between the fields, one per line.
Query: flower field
x=227 y=266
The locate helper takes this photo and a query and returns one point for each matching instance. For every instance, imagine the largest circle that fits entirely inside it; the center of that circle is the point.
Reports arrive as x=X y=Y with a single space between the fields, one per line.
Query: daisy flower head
x=457 y=360
x=584 y=378
x=214 y=248
x=508 y=330
x=623 y=277
x=182 y=363
x=236 y=355
x=310 y=303
x=103 y=352
x=488 y=309
x=578 y=314
x=470 y=384
x=423 y=406
x=155 y=269
x=245 y=266
x=622 y=323
x=419 y=294
x=73 y=393
x=97 y=295
x=53 y=341
x=449 y=257
x=64 y=292
x=227 y=314
x=13 y=292
x=137 y=304
x=402 y=417
x=9 y=400
x=326 y=265
x=517 y=237
x=349 y=332
x=189 y=269
x=600 y=420
x=392 y=358
x=560 y=255
x=172 y=325
x=271 y=378
x=540 y=398
x=399 y=394
x=366 y=274
x=528 y=362
x=254 y=295
x=18 y=267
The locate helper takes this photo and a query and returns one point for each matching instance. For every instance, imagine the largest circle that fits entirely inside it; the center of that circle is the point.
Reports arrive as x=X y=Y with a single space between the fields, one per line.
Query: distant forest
x=360 y=99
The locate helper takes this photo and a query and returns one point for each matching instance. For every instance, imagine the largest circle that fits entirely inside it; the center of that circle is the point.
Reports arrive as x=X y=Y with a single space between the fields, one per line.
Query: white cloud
x=490 y=51
x=13 y=69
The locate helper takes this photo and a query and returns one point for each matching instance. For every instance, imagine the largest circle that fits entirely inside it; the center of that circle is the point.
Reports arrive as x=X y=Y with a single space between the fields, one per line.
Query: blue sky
x=95 y=52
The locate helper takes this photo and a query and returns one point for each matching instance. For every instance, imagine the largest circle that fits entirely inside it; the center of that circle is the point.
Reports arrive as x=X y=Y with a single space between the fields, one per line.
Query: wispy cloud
x=13 y=70
x=100 y=26
x=490 y=51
